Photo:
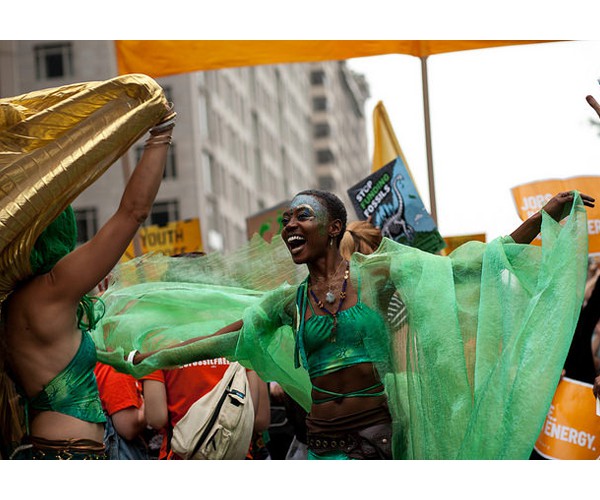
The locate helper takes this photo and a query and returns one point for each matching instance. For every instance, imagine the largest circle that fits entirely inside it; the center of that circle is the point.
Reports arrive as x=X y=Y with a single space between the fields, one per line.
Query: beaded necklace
x=342 y=297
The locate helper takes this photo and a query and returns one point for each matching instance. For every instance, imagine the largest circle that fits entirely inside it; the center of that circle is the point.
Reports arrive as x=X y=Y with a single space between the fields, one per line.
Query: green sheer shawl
x=470 y=375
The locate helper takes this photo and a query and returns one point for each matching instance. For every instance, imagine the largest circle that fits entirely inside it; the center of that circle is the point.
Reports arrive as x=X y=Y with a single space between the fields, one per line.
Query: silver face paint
x=320 y=211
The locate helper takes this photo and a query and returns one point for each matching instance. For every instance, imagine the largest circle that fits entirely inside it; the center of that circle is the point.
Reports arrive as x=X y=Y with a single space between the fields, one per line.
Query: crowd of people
x=378 y=351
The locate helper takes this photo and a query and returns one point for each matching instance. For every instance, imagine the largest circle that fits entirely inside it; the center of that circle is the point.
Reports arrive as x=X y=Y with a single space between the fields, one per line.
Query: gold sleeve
x=56 y=142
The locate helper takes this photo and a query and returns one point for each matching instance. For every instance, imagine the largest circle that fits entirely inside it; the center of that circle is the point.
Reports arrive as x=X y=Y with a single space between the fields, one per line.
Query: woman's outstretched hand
x=560 y=206
x=594 y=104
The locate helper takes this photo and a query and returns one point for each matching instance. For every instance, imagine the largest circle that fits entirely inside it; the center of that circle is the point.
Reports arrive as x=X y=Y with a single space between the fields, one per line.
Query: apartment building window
x=164 y=212
x=322 y=130
x=53 y=60
x=317 y=77
x=203 y=116
x=170 y=171
x=210 y=174
x=87 y=223
x=319 y=104
x=212 y=214
x=324 y=156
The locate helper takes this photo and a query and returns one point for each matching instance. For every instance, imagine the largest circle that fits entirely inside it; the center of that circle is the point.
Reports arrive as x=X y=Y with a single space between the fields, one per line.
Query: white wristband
x=131 y=356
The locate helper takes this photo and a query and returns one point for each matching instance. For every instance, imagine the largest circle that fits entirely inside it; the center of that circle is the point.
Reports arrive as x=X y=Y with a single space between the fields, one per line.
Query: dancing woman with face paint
x=470 y=375
x=462 y=381
x=349 y=416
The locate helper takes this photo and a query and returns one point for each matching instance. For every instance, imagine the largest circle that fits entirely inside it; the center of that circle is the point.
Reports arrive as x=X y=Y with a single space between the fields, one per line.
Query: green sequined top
x=74 y=390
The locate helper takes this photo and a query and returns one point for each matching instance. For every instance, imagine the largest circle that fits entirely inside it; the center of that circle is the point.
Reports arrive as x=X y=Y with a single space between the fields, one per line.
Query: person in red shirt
x=123 y=404
x=169 y=394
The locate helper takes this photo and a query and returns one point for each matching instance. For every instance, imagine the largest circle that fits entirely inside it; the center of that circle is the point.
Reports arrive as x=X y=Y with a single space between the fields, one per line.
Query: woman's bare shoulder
x=36 y=312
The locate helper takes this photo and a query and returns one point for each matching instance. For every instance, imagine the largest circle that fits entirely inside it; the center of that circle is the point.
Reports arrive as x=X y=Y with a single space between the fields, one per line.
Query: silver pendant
x=329 y=297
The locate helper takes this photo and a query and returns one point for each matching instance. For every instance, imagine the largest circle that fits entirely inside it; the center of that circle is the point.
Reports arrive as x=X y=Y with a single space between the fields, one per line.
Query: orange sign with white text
x=530 y=198
x=572 y=428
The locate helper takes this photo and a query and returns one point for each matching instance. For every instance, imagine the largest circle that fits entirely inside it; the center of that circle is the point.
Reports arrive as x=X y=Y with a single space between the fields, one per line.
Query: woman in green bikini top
x=48 y=357
x=349 y=417
x=350 y=352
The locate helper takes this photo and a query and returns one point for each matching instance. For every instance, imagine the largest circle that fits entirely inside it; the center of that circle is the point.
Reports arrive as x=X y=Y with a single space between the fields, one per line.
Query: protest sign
x=173 y=238
x=389 y=196
x=266 y=223
x=530 y=198
x=572 y=427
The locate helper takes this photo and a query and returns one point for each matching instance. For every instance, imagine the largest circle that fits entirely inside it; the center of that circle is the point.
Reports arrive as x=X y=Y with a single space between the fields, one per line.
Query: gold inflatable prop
x=54 y=143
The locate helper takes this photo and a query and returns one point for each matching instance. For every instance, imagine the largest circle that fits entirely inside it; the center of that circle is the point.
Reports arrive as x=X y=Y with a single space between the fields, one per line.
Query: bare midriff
x=350 y=412
x=58 y=426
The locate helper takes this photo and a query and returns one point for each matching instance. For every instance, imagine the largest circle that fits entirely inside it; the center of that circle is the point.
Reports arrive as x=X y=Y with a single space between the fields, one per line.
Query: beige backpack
x=219 y=425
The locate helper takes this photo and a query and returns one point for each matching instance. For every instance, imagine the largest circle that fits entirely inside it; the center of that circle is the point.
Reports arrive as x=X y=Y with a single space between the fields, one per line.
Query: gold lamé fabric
x=54 y=143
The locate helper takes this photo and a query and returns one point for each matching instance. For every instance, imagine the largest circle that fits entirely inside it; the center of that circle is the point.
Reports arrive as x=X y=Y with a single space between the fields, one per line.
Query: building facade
x=246 y=138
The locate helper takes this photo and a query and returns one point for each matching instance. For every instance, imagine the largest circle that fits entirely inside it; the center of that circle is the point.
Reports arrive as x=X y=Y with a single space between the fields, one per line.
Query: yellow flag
x=386 y=147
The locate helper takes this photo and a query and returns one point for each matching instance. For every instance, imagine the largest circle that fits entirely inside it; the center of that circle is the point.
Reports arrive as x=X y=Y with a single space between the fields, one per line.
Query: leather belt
x=343 y=443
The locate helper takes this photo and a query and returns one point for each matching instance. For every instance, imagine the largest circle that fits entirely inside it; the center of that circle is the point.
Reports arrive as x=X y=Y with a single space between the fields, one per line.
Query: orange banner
x=168 y=57
x=530 y=198
x=572 y=428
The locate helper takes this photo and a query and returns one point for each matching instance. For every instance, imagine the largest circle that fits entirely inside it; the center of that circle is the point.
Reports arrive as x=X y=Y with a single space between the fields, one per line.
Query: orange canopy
x=158 y=58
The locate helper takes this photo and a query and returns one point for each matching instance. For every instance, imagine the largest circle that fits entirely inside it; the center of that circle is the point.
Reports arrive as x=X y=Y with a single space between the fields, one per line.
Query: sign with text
x=173 y=238
x=266 y=223
x=389 y=196
x=572 y=428
x=530 y=198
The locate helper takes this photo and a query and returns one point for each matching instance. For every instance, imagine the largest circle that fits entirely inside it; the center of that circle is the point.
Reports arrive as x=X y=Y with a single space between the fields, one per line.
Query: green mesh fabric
x=56 y=241
x=469 y=375
x=156 y=301
x=472 y=374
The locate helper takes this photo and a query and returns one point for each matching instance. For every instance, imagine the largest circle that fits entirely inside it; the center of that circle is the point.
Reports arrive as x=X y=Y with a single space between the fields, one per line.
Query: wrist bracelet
x=131 y=355
x=162 y=127
x=156 y=143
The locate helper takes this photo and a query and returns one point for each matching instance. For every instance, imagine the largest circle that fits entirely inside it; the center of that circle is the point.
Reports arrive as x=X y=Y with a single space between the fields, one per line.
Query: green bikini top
x=74 y=390
x=314 y=347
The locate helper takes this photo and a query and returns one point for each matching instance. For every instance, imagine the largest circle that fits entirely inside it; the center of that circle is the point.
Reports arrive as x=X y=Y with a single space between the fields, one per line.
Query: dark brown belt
x=326 y=443
x=373 y=442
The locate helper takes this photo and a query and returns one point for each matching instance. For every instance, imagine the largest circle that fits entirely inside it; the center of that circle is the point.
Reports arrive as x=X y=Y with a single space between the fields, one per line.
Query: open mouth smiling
x=295 y=243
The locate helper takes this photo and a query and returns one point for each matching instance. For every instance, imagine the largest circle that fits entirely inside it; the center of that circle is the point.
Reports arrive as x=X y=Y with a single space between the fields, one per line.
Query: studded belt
x=325 y=443
x=373 y=442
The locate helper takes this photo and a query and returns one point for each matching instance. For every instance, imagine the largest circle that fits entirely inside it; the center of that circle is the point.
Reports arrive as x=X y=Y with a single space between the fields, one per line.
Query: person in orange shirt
x=169 y=394
x=123 y=404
